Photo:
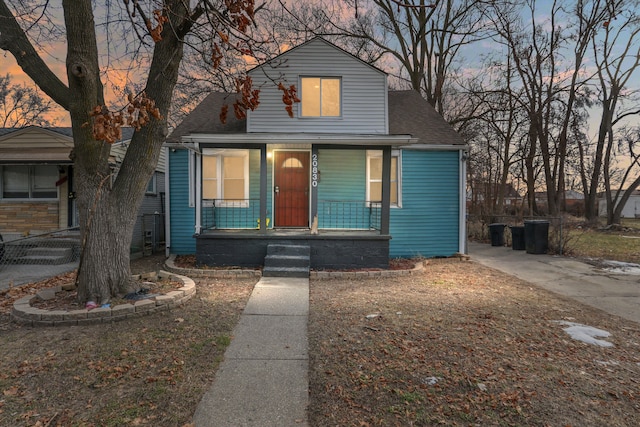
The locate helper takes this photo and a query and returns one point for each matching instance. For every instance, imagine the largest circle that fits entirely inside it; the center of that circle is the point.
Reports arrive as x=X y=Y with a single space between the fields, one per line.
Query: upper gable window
x=320 y=96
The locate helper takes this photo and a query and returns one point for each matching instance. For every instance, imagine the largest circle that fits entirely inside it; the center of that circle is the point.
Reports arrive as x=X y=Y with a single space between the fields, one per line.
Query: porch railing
x=230 y=214
x=349 y=215
x=332 y=214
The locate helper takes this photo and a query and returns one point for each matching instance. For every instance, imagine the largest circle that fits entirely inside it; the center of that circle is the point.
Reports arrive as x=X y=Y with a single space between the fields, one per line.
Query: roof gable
x=35 y=133
x=304 y=46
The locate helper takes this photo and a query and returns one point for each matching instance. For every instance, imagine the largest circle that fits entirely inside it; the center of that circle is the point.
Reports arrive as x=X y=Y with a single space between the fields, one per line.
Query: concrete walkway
x=263 y=380
x=614 y=292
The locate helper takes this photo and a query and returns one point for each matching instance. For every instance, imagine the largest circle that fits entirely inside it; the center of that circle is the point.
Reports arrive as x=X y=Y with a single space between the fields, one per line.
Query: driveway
x=610 y=289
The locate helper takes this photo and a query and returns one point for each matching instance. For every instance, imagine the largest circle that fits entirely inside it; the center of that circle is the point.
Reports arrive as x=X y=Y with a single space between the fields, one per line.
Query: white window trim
x=378 y=154
x=30 y=189
x=220 y=154
x=320 y=117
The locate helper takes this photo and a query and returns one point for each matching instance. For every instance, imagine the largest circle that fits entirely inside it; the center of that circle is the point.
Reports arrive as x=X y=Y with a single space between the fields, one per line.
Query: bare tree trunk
x=108 y=211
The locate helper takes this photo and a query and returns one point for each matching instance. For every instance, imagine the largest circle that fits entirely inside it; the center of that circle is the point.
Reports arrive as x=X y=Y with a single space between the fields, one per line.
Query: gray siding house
x=353 y=172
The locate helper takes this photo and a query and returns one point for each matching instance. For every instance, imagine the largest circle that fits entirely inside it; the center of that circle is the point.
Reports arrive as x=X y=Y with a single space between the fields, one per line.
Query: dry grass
x=458 y=345
x=143 y=371
x=464 y=345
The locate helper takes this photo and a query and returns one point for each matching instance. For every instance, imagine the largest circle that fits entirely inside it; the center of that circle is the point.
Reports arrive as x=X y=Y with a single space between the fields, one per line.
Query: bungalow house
x=482 y=196
x=37 y=185
x=352 y=175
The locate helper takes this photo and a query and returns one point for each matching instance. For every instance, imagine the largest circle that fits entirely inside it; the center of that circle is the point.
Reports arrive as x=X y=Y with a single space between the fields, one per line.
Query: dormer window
x=320 y=96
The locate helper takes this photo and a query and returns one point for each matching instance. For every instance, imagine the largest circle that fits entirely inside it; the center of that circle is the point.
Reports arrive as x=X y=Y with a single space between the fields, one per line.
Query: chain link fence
x=26 y=259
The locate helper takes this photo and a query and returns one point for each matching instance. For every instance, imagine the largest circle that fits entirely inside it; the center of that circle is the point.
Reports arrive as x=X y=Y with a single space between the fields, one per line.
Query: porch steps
x=287 y=261
x=46 y=256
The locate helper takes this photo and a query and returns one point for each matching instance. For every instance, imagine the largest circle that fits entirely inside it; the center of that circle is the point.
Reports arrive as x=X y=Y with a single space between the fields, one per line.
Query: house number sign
x=315 y=176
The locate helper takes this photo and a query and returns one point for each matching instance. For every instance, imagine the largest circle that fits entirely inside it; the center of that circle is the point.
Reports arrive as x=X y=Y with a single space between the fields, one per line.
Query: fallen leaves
x=147 y=371
x=460 y=345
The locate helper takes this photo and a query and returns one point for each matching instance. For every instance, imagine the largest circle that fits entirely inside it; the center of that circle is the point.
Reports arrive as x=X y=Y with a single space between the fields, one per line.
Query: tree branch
x=14 y=40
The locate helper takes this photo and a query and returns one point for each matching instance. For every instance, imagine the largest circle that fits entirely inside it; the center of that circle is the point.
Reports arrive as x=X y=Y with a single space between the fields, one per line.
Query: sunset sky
x=54 y=55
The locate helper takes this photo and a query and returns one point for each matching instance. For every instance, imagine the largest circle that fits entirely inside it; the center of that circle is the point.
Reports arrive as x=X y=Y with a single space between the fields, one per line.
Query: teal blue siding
x=182 y=216
x=342 y=189
x=428 y=222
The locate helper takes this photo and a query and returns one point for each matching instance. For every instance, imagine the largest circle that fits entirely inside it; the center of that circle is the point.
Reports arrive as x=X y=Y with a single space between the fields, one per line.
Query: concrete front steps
x=46 y=256
x=287 y=261
x=41 y=251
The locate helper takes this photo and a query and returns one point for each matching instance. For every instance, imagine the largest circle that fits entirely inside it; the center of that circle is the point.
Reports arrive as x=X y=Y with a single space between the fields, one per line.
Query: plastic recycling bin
x=517 y=237
x=536 y=236
x=497 y=234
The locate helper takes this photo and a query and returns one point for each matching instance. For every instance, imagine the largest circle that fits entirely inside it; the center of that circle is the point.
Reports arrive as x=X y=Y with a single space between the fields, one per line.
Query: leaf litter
x=461 y=344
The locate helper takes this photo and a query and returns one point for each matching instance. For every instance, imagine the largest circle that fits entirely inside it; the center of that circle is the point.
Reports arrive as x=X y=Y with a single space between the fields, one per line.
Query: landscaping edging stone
x=238 y=273
x=203 y=272
x=23 y=313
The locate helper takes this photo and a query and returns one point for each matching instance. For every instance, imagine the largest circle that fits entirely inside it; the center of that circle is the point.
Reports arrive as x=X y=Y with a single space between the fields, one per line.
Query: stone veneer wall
x=24 y=217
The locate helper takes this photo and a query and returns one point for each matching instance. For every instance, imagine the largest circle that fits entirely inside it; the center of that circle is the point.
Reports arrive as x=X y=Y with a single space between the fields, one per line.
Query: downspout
x=197 y=185
x=167 y=204
x=462 y=244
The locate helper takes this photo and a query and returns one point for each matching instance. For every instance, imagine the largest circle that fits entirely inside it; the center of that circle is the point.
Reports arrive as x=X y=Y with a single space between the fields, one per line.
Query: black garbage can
x=536 y=236
x=517 y=238
x=497 y=234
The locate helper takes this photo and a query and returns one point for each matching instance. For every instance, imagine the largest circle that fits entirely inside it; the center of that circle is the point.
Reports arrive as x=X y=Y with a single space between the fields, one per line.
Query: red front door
x=291 y=192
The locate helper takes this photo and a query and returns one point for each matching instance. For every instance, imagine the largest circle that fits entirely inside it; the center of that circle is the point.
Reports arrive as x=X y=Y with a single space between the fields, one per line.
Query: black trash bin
x=497 y=234
x=536 y=236
x=517 y=238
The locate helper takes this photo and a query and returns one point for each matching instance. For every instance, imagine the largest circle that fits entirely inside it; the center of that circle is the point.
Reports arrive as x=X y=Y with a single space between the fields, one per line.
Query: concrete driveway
x=613 y=291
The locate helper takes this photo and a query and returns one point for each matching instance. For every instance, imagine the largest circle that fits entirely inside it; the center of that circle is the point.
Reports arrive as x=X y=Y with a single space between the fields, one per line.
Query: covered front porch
x=334 y=197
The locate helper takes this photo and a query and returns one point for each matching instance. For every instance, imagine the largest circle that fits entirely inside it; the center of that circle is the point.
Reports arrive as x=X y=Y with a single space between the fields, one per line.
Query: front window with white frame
x=29 y=182
x=320 y=96
x=374 y=177
x=225 y=177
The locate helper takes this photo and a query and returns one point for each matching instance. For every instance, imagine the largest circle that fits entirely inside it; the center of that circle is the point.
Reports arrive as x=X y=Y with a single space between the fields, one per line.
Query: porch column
x=263 y=188
x=314 y=182
x=386 y=191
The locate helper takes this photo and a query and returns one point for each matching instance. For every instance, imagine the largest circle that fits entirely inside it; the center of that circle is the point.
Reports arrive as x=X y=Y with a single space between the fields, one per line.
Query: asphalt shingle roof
x=409 y=114
x=127 y=132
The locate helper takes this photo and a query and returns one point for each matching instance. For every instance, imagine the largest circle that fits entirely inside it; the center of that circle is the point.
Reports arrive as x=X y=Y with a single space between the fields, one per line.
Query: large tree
x=617 y=59
x=107 y=205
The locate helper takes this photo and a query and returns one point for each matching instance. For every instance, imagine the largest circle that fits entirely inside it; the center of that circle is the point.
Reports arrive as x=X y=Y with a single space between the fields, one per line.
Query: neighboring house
x=359 y=174
x=631 y=208
x=37 y=184
x=573 y=201
x=480 y=192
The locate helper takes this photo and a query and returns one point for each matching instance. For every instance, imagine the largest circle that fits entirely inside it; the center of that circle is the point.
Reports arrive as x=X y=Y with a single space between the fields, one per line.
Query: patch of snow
x=431 y=380
x=372 y=316
x=586 y=333
x=621 y=267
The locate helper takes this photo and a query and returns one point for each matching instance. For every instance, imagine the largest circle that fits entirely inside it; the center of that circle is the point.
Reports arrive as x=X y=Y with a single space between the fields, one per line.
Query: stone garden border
x=232 y=273
x=238 y=273
x=23 y=313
